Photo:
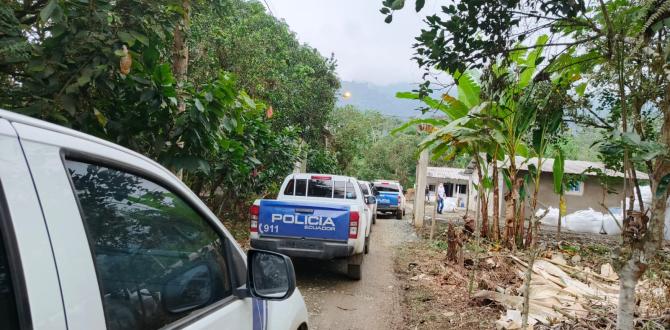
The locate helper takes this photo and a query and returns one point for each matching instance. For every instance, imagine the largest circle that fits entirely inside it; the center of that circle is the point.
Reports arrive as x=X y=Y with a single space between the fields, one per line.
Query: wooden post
x=467 y=196
x=433 y=220
x=477 y=213
x=420 y=199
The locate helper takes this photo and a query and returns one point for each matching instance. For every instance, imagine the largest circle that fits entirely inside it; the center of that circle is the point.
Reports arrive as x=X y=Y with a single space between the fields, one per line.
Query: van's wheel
x=354 y=271
x=366 y=249
x=398 y=214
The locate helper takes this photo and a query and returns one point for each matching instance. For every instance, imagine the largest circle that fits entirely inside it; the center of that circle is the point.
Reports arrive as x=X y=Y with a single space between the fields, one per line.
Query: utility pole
x=420 y=196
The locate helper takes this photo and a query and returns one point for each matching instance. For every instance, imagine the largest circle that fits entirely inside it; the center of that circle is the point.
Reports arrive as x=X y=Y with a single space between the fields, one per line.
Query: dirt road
x=336 y=302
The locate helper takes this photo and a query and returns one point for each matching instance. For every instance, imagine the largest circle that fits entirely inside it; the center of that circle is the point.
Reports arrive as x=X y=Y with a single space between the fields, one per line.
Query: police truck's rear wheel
x=398 y=214
x=374 y=218
x=354 y=272
x=366 y=249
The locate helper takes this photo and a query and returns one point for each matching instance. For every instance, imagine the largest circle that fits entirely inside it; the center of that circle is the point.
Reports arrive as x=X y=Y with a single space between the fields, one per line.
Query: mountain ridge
x=370 y=96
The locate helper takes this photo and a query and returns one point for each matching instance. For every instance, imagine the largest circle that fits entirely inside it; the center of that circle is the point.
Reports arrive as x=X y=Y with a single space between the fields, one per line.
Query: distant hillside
x=367 y=96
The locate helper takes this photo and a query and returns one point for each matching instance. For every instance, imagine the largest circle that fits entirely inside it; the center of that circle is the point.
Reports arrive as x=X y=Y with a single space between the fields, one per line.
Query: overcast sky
x=366 y=48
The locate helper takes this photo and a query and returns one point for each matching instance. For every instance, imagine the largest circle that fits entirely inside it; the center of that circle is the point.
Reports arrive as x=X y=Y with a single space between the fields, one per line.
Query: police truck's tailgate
x=387 y=199
x=303 y=219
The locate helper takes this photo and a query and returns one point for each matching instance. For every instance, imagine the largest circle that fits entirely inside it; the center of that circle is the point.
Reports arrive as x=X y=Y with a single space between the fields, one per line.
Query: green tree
x=365 y=149
x=113 y=69
x=269 y=61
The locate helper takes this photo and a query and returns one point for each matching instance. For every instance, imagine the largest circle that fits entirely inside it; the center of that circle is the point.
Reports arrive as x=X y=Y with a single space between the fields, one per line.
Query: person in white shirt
x=440 y=197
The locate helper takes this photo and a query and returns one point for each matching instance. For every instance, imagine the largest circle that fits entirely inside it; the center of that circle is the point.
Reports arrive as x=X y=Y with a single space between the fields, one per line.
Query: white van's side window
x=156 y=258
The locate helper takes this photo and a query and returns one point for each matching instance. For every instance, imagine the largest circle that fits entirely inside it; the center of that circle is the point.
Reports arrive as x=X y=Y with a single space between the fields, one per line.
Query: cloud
x=366 y=48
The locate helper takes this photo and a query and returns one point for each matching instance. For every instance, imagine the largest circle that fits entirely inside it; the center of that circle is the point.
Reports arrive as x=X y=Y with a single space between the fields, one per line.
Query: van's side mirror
x=270 y=275
x=370 y=199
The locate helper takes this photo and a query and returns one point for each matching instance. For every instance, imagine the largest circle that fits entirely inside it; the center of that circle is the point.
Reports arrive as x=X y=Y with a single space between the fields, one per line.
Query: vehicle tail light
x=353 y=224
x=254 y=211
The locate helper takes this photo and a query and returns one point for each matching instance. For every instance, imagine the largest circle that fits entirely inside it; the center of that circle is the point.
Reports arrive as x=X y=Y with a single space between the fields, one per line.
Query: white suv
x=95 y=236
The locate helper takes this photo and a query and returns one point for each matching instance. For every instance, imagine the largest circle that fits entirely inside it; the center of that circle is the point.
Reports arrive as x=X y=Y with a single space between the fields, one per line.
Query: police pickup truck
x=318 y=216
x=390 y=197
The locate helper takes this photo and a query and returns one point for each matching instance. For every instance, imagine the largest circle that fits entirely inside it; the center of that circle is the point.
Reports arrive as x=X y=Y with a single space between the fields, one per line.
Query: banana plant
x=462 y=129
x=559 y=187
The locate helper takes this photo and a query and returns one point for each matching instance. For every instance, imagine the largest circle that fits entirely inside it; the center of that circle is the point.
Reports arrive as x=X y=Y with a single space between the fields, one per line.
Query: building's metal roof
x=571 y=167
x=447 y=173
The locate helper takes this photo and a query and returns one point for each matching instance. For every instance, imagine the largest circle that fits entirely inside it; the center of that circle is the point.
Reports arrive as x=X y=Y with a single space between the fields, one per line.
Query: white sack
x=609 y=225
x=585 y=221
x=551 y=219
x=449 y=204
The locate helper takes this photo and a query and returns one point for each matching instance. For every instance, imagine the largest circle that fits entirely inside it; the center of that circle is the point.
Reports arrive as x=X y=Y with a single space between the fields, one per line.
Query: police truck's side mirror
x=370 y=199
x=270 y=275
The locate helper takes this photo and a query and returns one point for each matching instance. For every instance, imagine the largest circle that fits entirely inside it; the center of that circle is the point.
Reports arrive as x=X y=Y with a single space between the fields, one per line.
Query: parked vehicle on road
x=391 y=198
x=369 y=190
x=319 y=216
x=96 y=236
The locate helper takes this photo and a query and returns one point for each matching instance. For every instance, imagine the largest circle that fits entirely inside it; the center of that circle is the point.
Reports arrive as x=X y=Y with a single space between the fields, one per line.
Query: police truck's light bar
x=254 y=211
x=353 y=224
x=321 y=177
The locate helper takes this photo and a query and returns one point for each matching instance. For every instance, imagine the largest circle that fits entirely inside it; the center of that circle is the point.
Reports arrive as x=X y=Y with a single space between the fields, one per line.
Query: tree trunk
x=512 y=207
x=485 y=215
x=510 y=213
x=533 y=224
x=636 y=184
x=629 y=274
x=520 y=228
x=483 y=200
x=659 y=199
x=636 y=250
x=520 y=215
x=180 y=53
x=496 y=206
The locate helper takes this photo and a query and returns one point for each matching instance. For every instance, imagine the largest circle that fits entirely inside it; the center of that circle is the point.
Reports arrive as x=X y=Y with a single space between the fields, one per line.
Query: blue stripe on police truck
x=260 y=314
x=303 y=219
x=389 y=199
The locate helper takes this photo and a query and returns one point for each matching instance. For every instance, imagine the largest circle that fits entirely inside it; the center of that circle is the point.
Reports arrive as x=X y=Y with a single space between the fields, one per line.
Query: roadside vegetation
x=525 y=73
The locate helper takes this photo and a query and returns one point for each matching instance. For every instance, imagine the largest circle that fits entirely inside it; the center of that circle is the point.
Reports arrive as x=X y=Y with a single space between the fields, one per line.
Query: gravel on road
x=336 y=302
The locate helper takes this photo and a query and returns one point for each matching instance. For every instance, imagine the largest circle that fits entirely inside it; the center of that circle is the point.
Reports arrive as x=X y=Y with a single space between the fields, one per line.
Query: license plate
x=301 y=245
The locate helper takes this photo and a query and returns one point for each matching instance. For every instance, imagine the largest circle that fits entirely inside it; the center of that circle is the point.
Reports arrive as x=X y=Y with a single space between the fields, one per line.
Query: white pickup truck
x=95 y=236
x=319 y=216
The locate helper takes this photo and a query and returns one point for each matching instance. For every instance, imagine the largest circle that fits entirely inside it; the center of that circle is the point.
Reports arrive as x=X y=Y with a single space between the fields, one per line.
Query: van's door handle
x=307 y=211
